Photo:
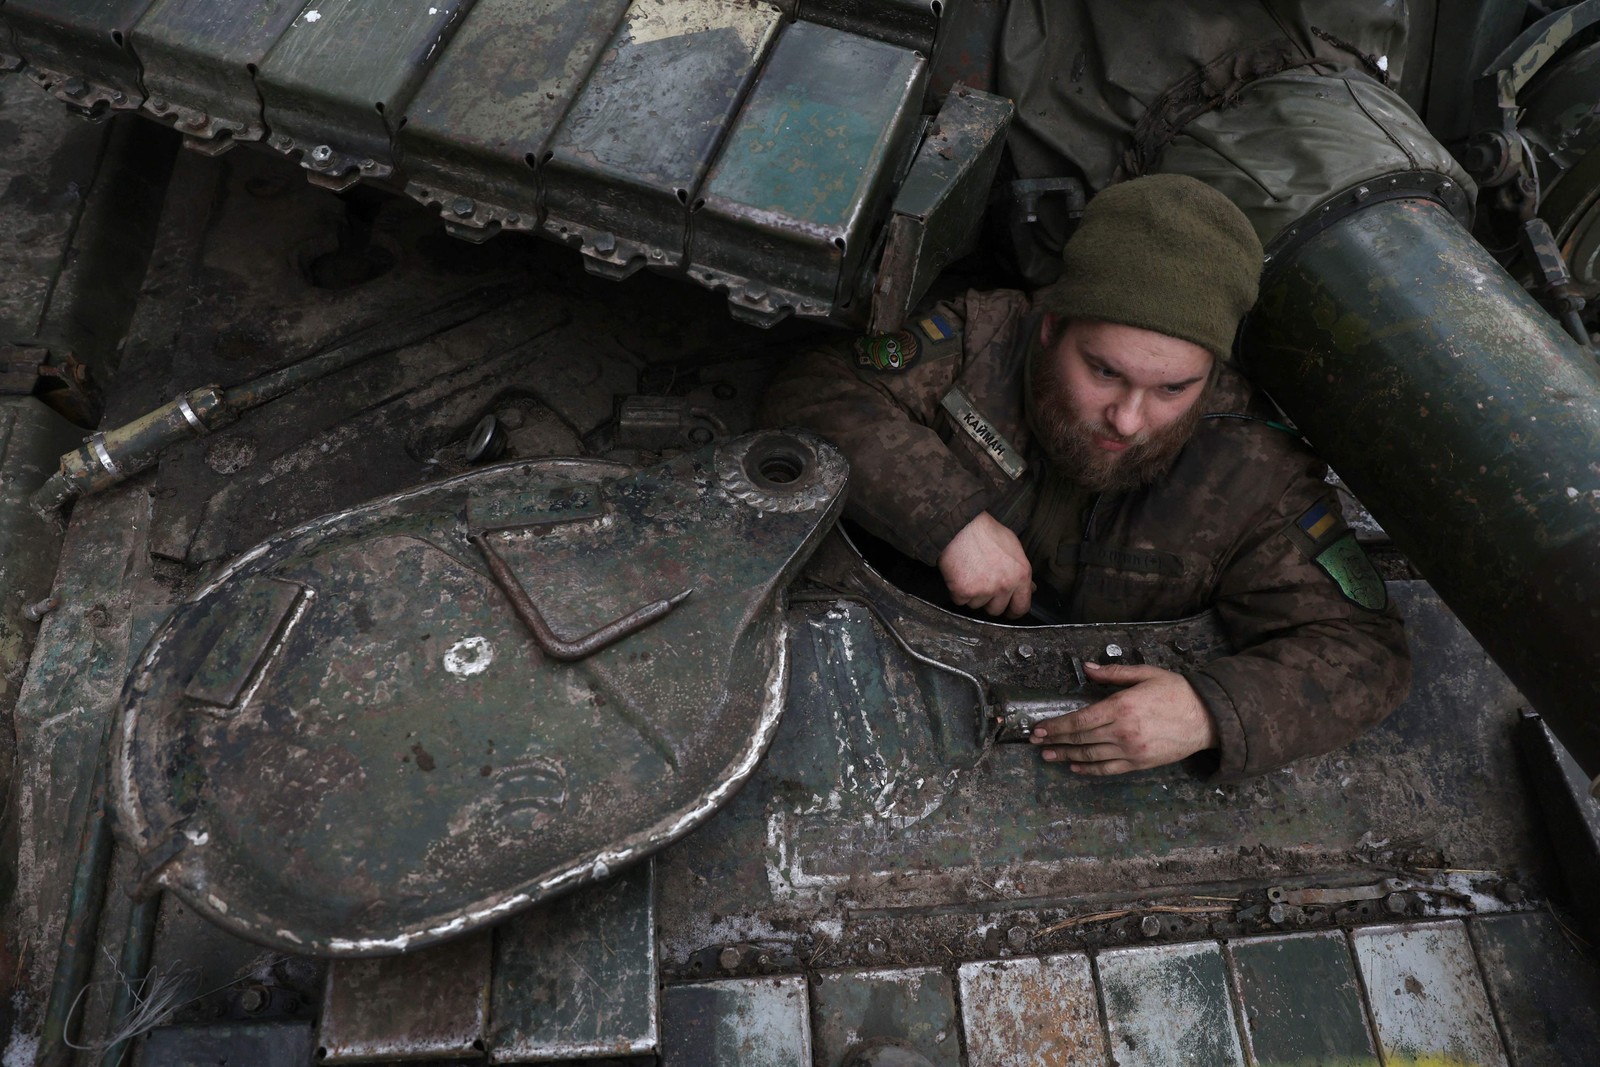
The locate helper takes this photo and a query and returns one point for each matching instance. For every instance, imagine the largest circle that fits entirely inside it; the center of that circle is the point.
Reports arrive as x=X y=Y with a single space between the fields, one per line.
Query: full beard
x=1069 y=443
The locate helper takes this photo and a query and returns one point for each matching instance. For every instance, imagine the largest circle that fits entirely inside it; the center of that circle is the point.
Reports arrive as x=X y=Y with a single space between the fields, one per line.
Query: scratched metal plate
x=482 y=120
x=340 y=78
x=1170 y=1004
x=347 y=744
x=754 y=1022
x=578 y=977
x=806 y=172
x=1427 y=997
x=1041 y=1011
x=78 y=49
x=907 y=23
x=199 y=59
x=914 y=1007
x=428 y=1005
x=628 y=160
x=1545 y=989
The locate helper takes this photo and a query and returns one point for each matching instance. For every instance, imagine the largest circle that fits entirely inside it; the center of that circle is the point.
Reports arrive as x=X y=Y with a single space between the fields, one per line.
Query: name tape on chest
x=967 y=416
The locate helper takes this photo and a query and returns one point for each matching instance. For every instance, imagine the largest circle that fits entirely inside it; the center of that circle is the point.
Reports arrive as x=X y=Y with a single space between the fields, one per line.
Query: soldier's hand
x=984 y=567
x=1158 y=719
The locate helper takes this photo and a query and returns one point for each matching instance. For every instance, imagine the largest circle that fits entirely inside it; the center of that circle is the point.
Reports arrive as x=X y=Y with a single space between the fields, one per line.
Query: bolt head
x=74 y=87
x=321 y=154
x=1150 y=926
x=728 y=959
x=463 y=207
x=1113 y=652
x=1018 y=937
x=1025 y=651
x=878 y=947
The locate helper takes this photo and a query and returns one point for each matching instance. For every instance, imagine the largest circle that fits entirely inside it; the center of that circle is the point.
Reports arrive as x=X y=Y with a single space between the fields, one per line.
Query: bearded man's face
x=1113 y=405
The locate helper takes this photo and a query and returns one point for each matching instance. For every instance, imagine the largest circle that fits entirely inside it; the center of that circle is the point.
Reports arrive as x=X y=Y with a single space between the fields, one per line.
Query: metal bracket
x=555 y=646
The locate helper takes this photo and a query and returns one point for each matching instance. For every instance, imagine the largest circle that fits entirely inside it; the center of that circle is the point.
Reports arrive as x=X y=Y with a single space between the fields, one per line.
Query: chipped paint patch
x=469 y=656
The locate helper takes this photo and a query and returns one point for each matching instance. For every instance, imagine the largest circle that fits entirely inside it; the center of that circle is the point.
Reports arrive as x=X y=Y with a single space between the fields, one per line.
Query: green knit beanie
x=1166 y=253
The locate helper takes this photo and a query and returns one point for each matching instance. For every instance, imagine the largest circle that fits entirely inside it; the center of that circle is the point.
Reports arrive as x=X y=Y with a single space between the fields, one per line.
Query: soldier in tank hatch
x=1090 y=455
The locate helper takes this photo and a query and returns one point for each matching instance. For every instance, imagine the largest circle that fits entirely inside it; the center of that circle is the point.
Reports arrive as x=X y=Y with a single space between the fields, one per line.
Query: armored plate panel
x=915 y=1007
x=754 y=1022
x=789 y=207
x=1302 y=1003
x=78 y=49
x=1170 y=1004
x=263 y=1044
x=1545 y=989
x=579 y=977
x=1426 y=994
x=199 y=59
x=940 y=206
x=630 y=157
x=337 y=83
x=910 y=24
x=481 y=122
x=429 y=1005
x=403 y=762
x=1043 y=1012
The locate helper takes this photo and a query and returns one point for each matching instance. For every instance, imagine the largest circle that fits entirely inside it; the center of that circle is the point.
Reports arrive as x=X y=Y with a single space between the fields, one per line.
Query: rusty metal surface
x=577 y=978
x=1043 y=1012
x=480 y=124
x=330 y=808
x=1170 y=1004
x=788 y=209
x=1300 y=1000
x=1425 y=994
x=627 y=163
x=1545 y=989
x=429 y=1005
x=757 y=1022
x=335 y=86
x=199 y=59
x=78 y=50
x=914 y=1008
x=940 y=206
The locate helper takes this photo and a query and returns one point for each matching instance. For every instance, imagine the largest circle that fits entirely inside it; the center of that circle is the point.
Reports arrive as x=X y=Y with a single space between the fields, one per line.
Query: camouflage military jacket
x=1236 y=525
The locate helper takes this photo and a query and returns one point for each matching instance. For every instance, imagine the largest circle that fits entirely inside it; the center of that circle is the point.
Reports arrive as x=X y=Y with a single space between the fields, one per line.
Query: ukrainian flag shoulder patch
x=1322 y=535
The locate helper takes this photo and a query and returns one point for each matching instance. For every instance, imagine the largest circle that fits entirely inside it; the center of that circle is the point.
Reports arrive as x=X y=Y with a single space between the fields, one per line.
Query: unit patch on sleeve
x=887 y=351
x=1322 y=535
x=967 y=416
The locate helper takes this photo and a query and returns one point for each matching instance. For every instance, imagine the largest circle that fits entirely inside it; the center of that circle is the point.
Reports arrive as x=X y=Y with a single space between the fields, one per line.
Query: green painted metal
x=914 y=1007
x=577 y=978
x=1545 y=989
x=627 y=163
x=199 y=59
x=806 y=171
x=1301 y=1001
x=756 y=1022
x=335 y=86
x=283 y=1044
x=378 y=782
x=77 y=50
x=1169 y=1004
x=482 y=121
x=941 y=204
x=1466 y=421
